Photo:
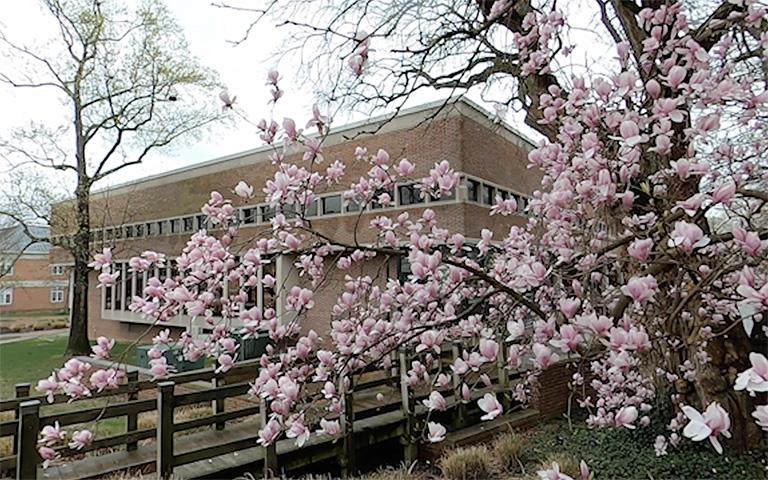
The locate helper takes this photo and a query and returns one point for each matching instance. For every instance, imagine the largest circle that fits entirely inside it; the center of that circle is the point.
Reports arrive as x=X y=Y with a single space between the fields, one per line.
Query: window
x=403 y=268
x=119 y=287
x=312 y=209
x=332 y=205
x=409 y=194
x=57 y=295
x=473 y=190
x=488 y=194
x=139 y=230
x=108 y=234
x=267 y=213
x=522 y=202
x=189 y=223
x=118 y=233
x=202 y=222
x=57 y=269
x=160 y=226
x=249 y=215
x=129 y=231
x=175 y=225
x=352 y=205
x=148 y=229
x=108 y=298
x=6 y=296
x=98 y=236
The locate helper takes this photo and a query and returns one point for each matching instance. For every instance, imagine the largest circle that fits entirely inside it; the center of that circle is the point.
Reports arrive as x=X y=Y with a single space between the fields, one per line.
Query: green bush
x=627 y=454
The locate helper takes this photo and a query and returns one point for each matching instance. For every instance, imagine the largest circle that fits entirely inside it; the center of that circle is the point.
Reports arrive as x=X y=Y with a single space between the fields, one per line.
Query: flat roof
x=382 y=123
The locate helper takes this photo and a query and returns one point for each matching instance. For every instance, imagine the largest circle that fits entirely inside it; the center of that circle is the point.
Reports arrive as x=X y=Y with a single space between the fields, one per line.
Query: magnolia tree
x=617 y=271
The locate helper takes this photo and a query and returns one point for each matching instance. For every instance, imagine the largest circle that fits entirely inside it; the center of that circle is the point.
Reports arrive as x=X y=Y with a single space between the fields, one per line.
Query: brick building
x=165 y=209
x=29 y=282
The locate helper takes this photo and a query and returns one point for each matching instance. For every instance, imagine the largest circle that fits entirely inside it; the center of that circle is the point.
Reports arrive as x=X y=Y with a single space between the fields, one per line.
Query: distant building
x=29 y=282
x=164 y=210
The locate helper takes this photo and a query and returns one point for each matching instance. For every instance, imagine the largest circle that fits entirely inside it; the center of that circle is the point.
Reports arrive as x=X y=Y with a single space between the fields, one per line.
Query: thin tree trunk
x=78 y=343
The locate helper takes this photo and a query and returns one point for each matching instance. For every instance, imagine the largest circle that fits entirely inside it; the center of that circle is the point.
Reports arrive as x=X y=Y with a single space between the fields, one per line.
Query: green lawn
x=27 y=361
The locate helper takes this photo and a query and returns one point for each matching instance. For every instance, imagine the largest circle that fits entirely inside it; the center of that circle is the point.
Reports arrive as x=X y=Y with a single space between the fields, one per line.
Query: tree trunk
x=715 y=379
x=78 y=343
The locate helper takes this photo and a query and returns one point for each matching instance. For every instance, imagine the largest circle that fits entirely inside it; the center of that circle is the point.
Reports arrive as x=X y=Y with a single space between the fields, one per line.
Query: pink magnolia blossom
x=436 y=432
x=640 y=250
x=102 y=348
x=626 y=417
x=329 y=428
x=48 y=455
x=761 y=416
x=754 y=379
x=48 y=386
x=641 y=289
x=687 y=237
x=243 y=190
x=490 y=406
x=749 y=242
x=712 y=423
x=435 y=401
x=50 y=435
x=81 y=439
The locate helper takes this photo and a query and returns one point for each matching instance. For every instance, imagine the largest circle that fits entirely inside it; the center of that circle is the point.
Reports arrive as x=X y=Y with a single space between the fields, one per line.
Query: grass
x=27 y=361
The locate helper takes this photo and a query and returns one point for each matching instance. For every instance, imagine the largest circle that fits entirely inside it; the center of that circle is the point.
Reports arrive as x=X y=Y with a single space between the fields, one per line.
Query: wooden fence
x=365 y=421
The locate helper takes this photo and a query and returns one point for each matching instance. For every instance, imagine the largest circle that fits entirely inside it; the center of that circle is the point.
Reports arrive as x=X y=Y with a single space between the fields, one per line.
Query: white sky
x=208 y=29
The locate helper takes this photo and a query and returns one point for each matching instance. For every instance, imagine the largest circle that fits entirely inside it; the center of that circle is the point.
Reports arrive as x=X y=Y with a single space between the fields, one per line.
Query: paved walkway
x=15 y=337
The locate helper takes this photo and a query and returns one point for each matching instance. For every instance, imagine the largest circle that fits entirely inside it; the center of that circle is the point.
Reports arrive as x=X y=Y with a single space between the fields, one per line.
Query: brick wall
x=464 y=138
x=32 y=281
x=550 y=393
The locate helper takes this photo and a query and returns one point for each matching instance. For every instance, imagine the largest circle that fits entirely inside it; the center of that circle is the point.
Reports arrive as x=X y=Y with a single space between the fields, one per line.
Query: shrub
x=473 y=463
x=508 y=450
x=569 y=464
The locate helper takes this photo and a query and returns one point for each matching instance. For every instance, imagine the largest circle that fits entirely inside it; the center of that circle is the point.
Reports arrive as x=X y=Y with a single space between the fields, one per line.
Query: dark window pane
x=409 y=194
x=108 y=234
x=267 y=213
x=119 y=287
x=403 y=268
x=175 y=225
x=139 y=230
x=488 y=192
x=312 y=209
x=353 y=206
x=202 y=222
x=129 y=231
x=332 y=205
x=118 y=233
x=473 y=190
x=108 y=298
x=99 y=236
x=189 y=224
x=249 y=216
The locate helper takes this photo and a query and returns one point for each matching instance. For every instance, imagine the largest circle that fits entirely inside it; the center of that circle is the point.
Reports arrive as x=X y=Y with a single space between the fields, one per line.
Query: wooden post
x=29 y=428
x=460 y=412
x=501 y=365
x=218 y=404
x=348 y=463
x=22 y=391
x=132 y=420
x=408 y=405
x=270 y=451
x=165 y=408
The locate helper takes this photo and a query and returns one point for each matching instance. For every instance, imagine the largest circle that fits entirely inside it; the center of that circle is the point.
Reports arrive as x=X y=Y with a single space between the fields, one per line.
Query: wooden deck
x=224 y=443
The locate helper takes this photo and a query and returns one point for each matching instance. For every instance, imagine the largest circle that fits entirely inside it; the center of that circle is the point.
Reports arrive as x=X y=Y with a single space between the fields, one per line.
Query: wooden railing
x=172 y=453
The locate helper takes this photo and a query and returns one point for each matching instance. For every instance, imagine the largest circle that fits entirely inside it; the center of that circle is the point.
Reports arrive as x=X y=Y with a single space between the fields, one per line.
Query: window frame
x=56 y=295
x=6 y=292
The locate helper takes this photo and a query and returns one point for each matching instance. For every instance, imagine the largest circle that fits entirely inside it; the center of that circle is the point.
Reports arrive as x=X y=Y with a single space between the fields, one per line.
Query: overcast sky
x=210 y=31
